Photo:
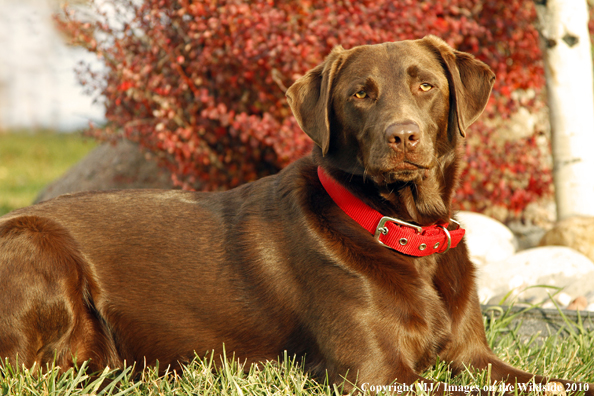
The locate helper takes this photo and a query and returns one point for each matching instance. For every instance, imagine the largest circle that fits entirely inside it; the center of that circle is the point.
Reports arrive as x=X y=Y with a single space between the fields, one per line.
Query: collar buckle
x=381 y=228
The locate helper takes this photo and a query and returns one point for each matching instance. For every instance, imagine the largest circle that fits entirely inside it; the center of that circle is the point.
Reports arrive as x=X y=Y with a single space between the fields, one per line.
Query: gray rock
x=110 y=167
x=537 y=218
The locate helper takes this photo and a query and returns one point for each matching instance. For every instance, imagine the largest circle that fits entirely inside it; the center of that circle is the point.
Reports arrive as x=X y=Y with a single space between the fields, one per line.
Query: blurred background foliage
x=201 y=84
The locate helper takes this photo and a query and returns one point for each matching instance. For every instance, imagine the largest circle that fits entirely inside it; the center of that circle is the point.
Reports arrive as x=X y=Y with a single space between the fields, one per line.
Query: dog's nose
x=403 y=136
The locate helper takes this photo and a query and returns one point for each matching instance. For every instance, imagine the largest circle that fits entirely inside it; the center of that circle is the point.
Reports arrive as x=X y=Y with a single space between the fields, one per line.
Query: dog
x=348 y=256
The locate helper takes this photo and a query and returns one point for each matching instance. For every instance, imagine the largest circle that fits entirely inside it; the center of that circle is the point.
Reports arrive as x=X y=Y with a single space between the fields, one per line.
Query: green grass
x=568 y=357
x=29 y=161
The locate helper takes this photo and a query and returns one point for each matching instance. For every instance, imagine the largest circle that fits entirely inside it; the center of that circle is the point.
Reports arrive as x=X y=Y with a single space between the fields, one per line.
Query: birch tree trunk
x=563 y=26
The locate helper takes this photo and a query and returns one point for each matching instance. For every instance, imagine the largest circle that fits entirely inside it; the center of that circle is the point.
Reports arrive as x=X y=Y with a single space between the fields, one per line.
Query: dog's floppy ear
x=309 y=98
x=470 y=80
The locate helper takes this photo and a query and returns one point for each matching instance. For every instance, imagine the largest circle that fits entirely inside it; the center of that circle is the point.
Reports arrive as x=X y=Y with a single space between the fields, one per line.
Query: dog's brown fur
x=273 y=265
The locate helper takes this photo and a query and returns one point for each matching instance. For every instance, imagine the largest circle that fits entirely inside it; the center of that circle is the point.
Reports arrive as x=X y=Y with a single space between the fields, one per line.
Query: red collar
x=406 y=238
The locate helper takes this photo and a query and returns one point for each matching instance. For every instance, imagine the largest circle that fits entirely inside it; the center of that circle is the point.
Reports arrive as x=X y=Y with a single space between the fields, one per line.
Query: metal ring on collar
x=445 y=230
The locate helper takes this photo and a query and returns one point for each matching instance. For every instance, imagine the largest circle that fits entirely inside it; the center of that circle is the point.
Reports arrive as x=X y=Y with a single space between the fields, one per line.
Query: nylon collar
x=398 y=235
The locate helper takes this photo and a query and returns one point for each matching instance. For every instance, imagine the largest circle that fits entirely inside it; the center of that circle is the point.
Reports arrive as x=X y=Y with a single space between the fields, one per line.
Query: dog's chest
x=426 y=267
x=409 y=314
x=435 y=333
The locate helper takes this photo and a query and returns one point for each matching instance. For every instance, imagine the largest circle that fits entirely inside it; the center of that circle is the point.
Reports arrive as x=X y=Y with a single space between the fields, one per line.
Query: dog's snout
x=403 y=136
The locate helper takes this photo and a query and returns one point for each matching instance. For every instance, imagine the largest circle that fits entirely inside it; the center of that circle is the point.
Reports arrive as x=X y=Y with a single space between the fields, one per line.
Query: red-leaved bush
x=201 y=83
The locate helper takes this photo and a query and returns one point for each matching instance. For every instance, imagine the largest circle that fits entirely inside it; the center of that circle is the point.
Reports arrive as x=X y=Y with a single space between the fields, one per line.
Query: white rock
x=556 y=266
x=564 y=299
x=488 y=240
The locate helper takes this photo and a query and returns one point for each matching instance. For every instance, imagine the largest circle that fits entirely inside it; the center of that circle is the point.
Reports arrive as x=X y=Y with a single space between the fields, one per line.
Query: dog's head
x=392 y=112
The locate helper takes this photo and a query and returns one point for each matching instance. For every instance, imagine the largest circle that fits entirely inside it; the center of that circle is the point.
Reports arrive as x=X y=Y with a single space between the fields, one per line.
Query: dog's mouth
x=403 y=171
x=408 y=165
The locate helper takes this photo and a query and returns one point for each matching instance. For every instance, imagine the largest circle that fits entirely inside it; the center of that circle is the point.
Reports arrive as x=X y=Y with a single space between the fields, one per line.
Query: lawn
x=566 y=357
x=30 y=160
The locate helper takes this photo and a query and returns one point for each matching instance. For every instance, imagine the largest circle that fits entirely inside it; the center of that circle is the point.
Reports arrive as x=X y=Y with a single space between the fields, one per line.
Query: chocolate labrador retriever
x=347 y=256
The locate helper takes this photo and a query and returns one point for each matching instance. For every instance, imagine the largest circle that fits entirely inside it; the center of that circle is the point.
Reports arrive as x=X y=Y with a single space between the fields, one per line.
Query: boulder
x=537 y=218
x=488 y=240
x=556 y=266
x=110 y=167
x=575 y=232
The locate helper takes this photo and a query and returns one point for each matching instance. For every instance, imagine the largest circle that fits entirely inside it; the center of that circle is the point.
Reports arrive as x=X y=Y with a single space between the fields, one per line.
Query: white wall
x=38 y=85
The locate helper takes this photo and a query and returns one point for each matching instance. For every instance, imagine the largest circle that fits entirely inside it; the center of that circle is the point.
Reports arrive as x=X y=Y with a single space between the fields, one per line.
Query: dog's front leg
x=525 y=382
x=469 y=348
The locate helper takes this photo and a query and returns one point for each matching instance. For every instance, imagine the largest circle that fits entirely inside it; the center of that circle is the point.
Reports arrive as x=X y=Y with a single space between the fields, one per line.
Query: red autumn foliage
x=201 y=83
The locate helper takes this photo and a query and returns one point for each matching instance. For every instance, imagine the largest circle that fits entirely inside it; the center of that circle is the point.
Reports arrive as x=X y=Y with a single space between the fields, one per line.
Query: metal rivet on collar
x=422 y=246
x=436 y=245
x=403 y=241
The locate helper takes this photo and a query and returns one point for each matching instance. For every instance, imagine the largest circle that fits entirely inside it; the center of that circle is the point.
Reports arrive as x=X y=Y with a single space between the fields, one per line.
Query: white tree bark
x=563 y=25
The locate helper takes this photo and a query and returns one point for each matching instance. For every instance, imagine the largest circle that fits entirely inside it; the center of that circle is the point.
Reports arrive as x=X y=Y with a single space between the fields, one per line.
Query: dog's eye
x=425 y=87
x=361 y=94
